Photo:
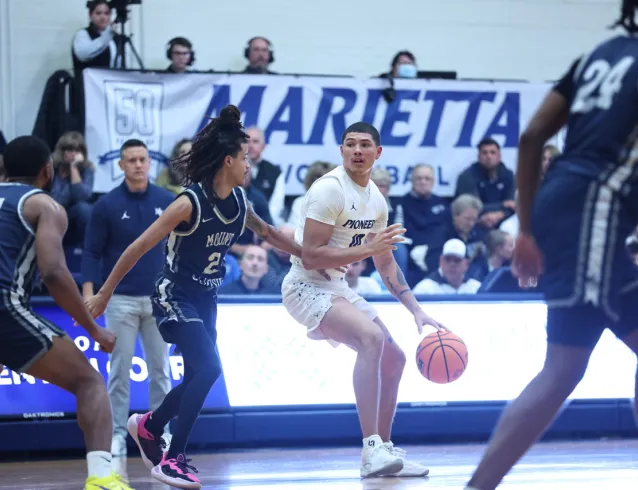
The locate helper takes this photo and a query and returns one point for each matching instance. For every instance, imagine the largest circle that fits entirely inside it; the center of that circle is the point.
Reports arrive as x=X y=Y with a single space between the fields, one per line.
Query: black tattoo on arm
x=257 y=225
x=402 y=285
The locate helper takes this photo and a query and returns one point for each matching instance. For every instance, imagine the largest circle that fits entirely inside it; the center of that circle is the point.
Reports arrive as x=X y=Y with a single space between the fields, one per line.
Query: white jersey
x=354 y=211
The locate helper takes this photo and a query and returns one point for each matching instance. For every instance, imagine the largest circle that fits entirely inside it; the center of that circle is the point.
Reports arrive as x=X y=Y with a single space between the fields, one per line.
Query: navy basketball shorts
x=174 y=306
x=580 y=224
x=26 y=336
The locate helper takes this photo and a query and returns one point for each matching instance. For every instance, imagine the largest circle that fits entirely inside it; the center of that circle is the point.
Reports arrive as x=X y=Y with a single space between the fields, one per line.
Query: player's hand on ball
x=421 y=318
x=527 y=263
x=386 y=240
x=106 y=339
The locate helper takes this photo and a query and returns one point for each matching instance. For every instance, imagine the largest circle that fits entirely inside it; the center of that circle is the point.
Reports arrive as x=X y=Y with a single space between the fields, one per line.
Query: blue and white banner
x=438 y=122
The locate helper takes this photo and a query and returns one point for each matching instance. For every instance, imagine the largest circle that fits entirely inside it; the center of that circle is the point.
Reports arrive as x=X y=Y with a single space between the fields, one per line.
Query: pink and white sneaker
x=151 y=446
x=176 y=472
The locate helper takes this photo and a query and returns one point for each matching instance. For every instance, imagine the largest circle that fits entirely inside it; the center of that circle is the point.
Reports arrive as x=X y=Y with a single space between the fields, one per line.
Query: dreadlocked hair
x=221 y=137
x=628 y=16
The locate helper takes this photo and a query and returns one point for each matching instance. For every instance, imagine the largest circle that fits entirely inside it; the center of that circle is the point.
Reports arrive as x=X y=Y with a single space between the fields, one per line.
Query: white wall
x=514 y=39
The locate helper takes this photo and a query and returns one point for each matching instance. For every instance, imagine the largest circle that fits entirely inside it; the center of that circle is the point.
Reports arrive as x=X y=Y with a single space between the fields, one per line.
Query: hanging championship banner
x=439 y=122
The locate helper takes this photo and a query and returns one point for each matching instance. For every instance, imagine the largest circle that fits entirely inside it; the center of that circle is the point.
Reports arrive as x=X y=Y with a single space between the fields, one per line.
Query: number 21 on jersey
x=602 y=82
x=213 y=260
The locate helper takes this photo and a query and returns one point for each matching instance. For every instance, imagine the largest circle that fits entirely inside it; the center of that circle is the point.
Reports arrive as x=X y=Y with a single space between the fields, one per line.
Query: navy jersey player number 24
x=572 y=233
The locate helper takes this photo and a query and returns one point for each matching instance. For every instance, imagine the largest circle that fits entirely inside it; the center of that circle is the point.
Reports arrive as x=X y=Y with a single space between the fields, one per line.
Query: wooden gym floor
x=561 y=466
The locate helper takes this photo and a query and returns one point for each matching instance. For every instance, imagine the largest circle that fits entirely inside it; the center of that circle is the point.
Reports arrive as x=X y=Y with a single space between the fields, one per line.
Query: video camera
x=120 y=6
x=121 y=39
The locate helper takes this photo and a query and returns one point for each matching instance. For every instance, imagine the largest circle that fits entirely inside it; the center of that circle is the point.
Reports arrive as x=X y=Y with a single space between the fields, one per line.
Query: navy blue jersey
x=17 y=245
x=602 y=89
x=195 y=255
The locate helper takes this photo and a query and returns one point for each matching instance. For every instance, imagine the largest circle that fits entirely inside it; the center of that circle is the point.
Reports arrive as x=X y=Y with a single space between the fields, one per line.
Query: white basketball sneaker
x=410 y=468
x=376 y=460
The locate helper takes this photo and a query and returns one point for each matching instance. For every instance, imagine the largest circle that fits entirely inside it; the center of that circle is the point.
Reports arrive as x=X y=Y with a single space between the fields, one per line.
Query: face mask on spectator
x=406 y=71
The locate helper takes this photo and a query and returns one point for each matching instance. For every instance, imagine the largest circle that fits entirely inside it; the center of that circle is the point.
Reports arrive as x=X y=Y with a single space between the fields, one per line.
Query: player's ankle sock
x=99 y=463
x=151 y=425
x=371 y=441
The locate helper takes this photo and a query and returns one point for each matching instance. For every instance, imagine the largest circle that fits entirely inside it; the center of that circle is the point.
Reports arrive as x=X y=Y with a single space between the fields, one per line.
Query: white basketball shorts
x=307 y=300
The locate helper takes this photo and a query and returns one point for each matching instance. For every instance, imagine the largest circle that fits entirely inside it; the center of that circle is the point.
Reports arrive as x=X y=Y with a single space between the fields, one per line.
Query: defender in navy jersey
x=202 y=224
x=214 y=229
x=572 y=231
x=33 y=226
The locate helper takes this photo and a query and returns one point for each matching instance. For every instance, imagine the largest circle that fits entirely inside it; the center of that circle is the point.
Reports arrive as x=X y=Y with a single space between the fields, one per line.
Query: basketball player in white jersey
x=343 y=220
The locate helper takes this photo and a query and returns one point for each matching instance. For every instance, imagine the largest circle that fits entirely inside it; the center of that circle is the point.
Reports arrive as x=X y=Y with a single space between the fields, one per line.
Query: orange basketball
x=441 y=357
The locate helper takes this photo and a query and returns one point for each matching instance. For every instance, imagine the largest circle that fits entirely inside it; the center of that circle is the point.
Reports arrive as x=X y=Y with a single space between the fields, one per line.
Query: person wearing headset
x=179 y=51
x=260 y=55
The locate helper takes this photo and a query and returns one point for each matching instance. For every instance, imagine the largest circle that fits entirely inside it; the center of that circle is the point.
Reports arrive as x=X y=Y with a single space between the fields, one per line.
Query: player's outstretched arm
x=394 y=280
x=316 y=254
x=49 y=221
x=179 y=211
x=270 y=234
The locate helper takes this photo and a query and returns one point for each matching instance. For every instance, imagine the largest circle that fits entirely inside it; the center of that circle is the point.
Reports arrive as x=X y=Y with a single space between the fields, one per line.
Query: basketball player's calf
x=65 y=366
x=570 y=344
x=392 y=366
x=346 y=324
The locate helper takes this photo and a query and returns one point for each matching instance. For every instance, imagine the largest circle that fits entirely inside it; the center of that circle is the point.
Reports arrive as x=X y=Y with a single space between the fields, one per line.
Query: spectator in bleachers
x=254 y=267
x=266 y=176
x=169 y=178
x=465 y=212
x=260 y=55
x=426 y=217
x=93 y=46
x=363 y=286
x=179 y=51
x=450 y=276
x=118 y=219
x=497 y=250
x=73 y=183
x=492 y=182
x=550 y=152
x=510 y=225
x=403 y=65
x=381 y=177
x=260 y=204
x=279 y=261
x=315 y=171
x=3 y=175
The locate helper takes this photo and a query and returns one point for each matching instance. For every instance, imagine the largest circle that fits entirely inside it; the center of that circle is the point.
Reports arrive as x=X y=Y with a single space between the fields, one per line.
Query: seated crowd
x=459 y=245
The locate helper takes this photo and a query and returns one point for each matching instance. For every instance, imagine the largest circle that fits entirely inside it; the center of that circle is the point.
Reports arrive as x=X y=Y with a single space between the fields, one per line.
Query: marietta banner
x=439 y=122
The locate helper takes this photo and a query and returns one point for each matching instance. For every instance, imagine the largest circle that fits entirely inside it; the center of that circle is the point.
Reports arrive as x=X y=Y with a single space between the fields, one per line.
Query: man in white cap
x=450 y=276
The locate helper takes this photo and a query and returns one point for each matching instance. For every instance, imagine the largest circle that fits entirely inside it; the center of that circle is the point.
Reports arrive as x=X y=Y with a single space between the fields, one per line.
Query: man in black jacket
x=266 y=176
x=492 y=182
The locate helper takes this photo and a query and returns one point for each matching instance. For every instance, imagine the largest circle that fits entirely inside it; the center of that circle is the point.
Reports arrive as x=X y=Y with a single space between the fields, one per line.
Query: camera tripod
x=122 y=40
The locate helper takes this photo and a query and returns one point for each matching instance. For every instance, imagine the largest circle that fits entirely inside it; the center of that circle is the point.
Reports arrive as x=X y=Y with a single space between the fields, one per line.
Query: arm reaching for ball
x=394 y=280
